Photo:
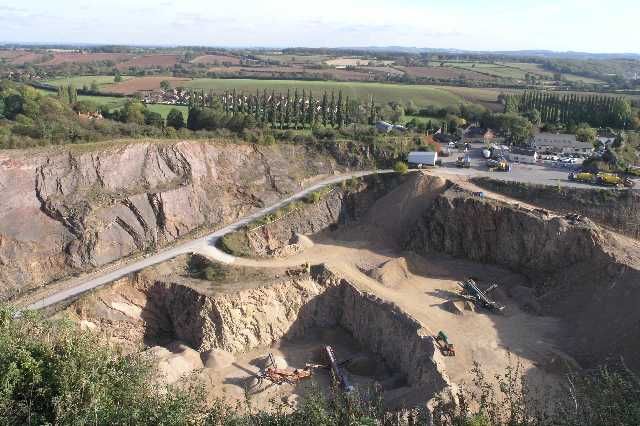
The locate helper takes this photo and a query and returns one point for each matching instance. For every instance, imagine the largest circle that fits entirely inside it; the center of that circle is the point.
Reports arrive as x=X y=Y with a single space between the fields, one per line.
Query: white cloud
x=465 y=24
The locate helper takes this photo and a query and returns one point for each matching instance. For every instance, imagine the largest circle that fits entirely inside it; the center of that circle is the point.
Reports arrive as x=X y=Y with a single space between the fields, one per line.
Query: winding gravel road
x=204 y=245
x=207 y=245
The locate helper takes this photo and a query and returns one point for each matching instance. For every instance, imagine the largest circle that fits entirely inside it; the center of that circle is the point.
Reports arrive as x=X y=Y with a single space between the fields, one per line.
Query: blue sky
x=579 y=25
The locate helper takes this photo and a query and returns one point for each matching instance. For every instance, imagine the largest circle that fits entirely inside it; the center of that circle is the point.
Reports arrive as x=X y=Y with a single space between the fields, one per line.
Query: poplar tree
x=323 y=109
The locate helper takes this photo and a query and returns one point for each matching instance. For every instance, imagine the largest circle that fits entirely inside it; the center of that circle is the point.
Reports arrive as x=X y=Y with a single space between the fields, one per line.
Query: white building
x=426 y=158
x=521 y=155
x=558 y=143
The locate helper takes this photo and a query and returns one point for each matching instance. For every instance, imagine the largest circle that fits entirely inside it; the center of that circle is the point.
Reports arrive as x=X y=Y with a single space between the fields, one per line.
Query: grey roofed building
x=560 y=143
x=523 y=155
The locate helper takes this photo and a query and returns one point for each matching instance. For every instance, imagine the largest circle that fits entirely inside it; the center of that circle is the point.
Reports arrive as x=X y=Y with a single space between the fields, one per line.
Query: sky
x=560 y=25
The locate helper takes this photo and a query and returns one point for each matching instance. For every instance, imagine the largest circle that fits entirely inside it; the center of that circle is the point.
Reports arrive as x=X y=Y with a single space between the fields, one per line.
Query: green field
x=381 y=92
x=85 y=80
x=163 y=110
x=110 y=101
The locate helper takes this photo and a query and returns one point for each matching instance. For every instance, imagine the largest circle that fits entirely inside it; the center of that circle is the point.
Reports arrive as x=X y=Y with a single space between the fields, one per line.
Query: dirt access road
x=205 y=245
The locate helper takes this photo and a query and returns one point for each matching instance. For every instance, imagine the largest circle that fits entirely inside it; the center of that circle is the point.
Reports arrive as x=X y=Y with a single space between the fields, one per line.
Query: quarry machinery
x=605 y=179
x=446 y=348
x=338 y=372
x=280 y=376
x=499 y=165
x=463 y=161
x=471 y=291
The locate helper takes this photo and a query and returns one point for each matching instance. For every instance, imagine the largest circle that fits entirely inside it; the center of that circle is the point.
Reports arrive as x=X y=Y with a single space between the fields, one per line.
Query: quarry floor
x=425 y=288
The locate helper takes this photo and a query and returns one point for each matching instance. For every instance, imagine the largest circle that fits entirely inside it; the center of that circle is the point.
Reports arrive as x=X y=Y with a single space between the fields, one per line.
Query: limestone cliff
x=342 y=205
x=617 y=209
x=151 y=310
x=70 y=210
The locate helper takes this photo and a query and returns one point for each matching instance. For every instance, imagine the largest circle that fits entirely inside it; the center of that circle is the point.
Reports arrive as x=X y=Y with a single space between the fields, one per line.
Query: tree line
x=596 y=110
x=293 y=110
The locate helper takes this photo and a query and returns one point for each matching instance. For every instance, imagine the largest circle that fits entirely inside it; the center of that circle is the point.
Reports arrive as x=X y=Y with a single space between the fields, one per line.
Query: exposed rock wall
x=400 y=197
x=74 y=209
x=493 y=232
x=258 y=317
x=618 y=209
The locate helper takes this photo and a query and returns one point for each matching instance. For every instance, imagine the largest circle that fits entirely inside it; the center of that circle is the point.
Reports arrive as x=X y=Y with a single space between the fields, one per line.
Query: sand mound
x=303 y=241
x=458 y=307
x=393 y=214
x=391 y=273
x=176 y=362
x=218 y=359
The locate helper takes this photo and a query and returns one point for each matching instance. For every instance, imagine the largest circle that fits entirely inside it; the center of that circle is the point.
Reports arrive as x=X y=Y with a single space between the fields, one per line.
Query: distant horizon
x=493 y=26
x=381 y=48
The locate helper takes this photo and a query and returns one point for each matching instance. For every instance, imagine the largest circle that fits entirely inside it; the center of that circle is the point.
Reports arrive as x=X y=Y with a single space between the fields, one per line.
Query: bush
x=236 y=244
x=400 y=167
x=52 y=373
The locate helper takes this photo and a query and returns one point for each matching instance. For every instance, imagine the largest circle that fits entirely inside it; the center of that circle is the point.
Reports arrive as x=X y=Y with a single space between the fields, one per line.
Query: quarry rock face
x=73 y=210
x=493 y=232
x=617 y=209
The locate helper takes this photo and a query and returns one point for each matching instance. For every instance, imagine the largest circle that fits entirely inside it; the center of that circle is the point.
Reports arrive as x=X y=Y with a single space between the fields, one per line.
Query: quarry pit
x=372 y=269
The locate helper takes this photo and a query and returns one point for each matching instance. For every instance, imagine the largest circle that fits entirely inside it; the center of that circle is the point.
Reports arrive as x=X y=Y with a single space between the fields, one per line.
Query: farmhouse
x=557 y=143
x=443 y=138
x=522 y=155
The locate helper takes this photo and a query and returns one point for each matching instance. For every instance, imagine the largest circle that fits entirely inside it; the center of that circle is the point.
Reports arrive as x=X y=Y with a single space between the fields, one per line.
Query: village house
x=558 y=143
x=91 y=115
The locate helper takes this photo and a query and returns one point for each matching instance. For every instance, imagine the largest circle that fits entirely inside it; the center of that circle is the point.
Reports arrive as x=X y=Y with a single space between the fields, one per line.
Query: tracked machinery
x=472 y=292
x=338 y=372
x=446 y=348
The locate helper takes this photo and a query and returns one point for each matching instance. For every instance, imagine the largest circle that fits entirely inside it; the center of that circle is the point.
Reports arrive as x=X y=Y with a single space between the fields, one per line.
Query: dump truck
x=500 y=165
x=446 y=348
x=612 y=179
x=602 y=178
x=463 y=161
x=584 y=177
